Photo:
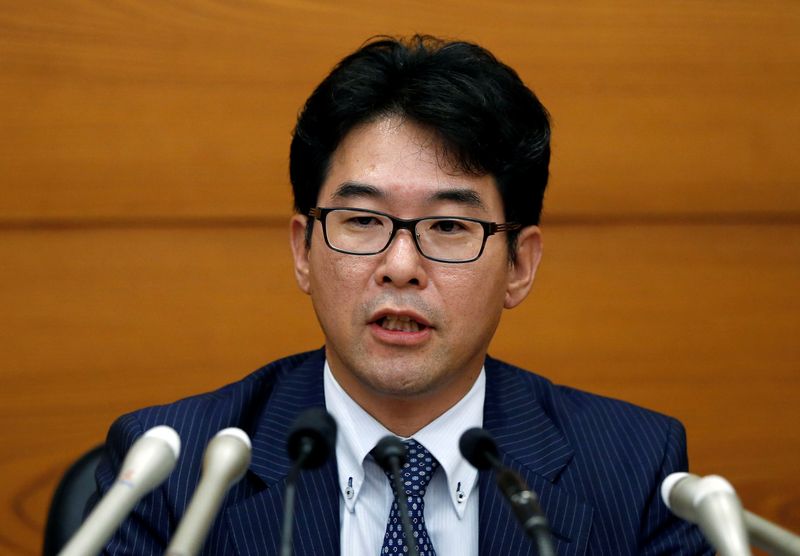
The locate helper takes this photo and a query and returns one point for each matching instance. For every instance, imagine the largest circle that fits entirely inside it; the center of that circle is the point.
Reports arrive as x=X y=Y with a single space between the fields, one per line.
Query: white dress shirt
x=365 y=496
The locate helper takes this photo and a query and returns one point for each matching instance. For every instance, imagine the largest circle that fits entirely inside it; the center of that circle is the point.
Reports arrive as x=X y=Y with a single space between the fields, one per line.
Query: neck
x=404 y=415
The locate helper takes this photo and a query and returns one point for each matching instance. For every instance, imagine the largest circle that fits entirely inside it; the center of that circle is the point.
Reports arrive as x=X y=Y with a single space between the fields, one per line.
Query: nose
x=401 y=264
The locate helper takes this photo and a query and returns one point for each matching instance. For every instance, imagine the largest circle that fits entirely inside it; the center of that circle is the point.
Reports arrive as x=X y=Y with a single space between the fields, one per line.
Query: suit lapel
x=255 y=523
x=528 y=440
x=530 y=443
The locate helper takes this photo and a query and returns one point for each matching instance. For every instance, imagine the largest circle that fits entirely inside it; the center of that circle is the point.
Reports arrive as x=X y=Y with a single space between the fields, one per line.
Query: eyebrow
x=459 y=195
x=462 y=196
x=353 y=189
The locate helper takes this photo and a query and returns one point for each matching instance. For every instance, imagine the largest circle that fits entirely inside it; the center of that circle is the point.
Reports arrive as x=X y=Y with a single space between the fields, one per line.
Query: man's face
x=366 y=303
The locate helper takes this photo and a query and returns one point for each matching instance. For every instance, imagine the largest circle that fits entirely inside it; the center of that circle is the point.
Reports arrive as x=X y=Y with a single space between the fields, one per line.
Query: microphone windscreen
x=228 y=455
x=386 y=449
x=168 y=435
x=478 y=447
x=669 y=484
x=314 y=431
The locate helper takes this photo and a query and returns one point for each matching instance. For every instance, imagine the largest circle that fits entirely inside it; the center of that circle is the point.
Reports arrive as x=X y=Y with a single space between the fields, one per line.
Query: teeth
x=400 y=323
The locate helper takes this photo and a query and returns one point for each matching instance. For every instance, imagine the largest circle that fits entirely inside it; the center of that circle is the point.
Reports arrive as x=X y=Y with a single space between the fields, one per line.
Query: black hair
x=487 y=120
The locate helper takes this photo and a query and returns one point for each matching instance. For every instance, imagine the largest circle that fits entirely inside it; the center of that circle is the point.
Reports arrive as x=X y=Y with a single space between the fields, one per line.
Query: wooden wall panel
x=184 y=110
x=696 y=321
x=144 y=190
x=97 y=322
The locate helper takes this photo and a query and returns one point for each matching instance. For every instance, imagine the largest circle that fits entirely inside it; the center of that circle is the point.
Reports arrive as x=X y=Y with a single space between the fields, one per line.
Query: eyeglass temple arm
x=505 y=227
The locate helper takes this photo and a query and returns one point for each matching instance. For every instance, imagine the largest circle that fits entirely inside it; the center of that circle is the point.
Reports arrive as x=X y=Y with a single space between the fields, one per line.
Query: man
x=418 y=169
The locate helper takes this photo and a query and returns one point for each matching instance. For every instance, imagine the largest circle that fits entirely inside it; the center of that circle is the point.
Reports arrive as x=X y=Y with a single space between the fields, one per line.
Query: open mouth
x=400 y=323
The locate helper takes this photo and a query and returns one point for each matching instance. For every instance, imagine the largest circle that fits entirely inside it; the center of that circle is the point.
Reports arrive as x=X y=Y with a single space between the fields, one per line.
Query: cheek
x=473 y=291
x=337 y=278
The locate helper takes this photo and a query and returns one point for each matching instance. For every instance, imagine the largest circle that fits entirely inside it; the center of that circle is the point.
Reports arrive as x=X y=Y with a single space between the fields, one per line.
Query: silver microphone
x=148 y=462
x=225 y=462
x=712 y=504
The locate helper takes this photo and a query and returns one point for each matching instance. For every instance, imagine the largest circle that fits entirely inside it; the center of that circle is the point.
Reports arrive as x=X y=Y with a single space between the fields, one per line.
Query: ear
x=297 y=239
x=523 y=271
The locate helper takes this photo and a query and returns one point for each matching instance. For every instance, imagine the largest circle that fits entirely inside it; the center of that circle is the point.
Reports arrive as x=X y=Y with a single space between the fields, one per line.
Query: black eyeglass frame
x=489 y=228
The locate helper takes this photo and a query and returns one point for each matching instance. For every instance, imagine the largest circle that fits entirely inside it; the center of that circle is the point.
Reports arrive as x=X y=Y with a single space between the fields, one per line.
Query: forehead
x=397 y=164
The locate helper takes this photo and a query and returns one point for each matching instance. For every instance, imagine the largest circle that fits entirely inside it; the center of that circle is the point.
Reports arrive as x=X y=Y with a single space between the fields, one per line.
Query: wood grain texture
x=696 y=321
x=186 y=108
x=144 y=190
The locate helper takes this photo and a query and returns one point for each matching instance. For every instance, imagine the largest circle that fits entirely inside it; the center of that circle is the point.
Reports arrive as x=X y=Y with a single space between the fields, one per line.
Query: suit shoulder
x=237 y=404
x=574 y=401
x=584 y=415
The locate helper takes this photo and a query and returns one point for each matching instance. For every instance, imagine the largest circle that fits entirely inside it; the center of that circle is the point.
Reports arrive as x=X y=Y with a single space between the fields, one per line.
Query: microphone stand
x=289 y=493
x=402 y=502
x=771 y=538
x=525 y=504
x=310 y=442
x=479 y=449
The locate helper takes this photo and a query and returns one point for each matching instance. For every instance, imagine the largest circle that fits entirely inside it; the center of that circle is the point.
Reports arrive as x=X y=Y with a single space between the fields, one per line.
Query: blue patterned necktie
x=416 y=474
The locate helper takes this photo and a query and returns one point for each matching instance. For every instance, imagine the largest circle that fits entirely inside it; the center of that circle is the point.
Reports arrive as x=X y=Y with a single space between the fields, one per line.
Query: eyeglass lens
x=363 y=233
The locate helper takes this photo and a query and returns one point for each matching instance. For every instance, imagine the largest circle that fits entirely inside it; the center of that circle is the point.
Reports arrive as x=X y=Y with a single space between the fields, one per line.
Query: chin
x=399 y=384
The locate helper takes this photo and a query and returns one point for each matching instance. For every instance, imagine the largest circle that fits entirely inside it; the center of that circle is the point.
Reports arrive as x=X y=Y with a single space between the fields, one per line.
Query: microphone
x=148 y=462
x=479 y=449
x=311 y=440
x=712 y=504
x=225 y=462
x=770 y=537
x=390 y=453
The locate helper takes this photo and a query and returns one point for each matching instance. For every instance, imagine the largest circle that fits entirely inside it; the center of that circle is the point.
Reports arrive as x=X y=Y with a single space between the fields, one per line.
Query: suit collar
x=514 y=413
x=255 y=523
x=516 y=417
x=531 y=443
x=299 y=388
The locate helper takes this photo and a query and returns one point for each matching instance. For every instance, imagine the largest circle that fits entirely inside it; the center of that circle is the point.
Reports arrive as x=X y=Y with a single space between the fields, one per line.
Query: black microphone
x=479 y=449
x=390 y=453
x=311 y=440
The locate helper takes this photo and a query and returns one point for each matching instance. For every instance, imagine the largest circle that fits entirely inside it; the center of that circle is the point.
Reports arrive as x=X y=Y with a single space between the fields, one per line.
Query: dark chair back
x=69 y=500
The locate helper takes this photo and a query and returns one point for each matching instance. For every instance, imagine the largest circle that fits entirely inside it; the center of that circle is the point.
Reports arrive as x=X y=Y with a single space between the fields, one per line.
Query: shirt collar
x=359 y=432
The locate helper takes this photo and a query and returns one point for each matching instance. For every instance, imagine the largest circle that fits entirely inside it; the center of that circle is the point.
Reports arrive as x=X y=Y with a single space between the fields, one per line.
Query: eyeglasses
x=446 y=239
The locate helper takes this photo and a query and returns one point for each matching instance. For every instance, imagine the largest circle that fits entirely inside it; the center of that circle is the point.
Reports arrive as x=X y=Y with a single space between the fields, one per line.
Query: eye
x=448 y=226
x=363 y=221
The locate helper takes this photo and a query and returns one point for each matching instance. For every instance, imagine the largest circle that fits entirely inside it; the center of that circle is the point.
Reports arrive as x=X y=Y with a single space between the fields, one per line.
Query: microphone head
x=237 y=433
x=668 y=484
x=388 y=448
x=478 y=447
x=168 y=435
x=312 y=436
x=150 y=459
x=228 y=455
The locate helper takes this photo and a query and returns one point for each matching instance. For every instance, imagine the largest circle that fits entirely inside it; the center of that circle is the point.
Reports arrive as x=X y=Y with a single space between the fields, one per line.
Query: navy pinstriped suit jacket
x=596 y=463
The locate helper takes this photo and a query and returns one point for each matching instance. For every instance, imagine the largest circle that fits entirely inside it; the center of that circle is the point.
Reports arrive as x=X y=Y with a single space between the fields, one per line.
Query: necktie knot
x=418 y=469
